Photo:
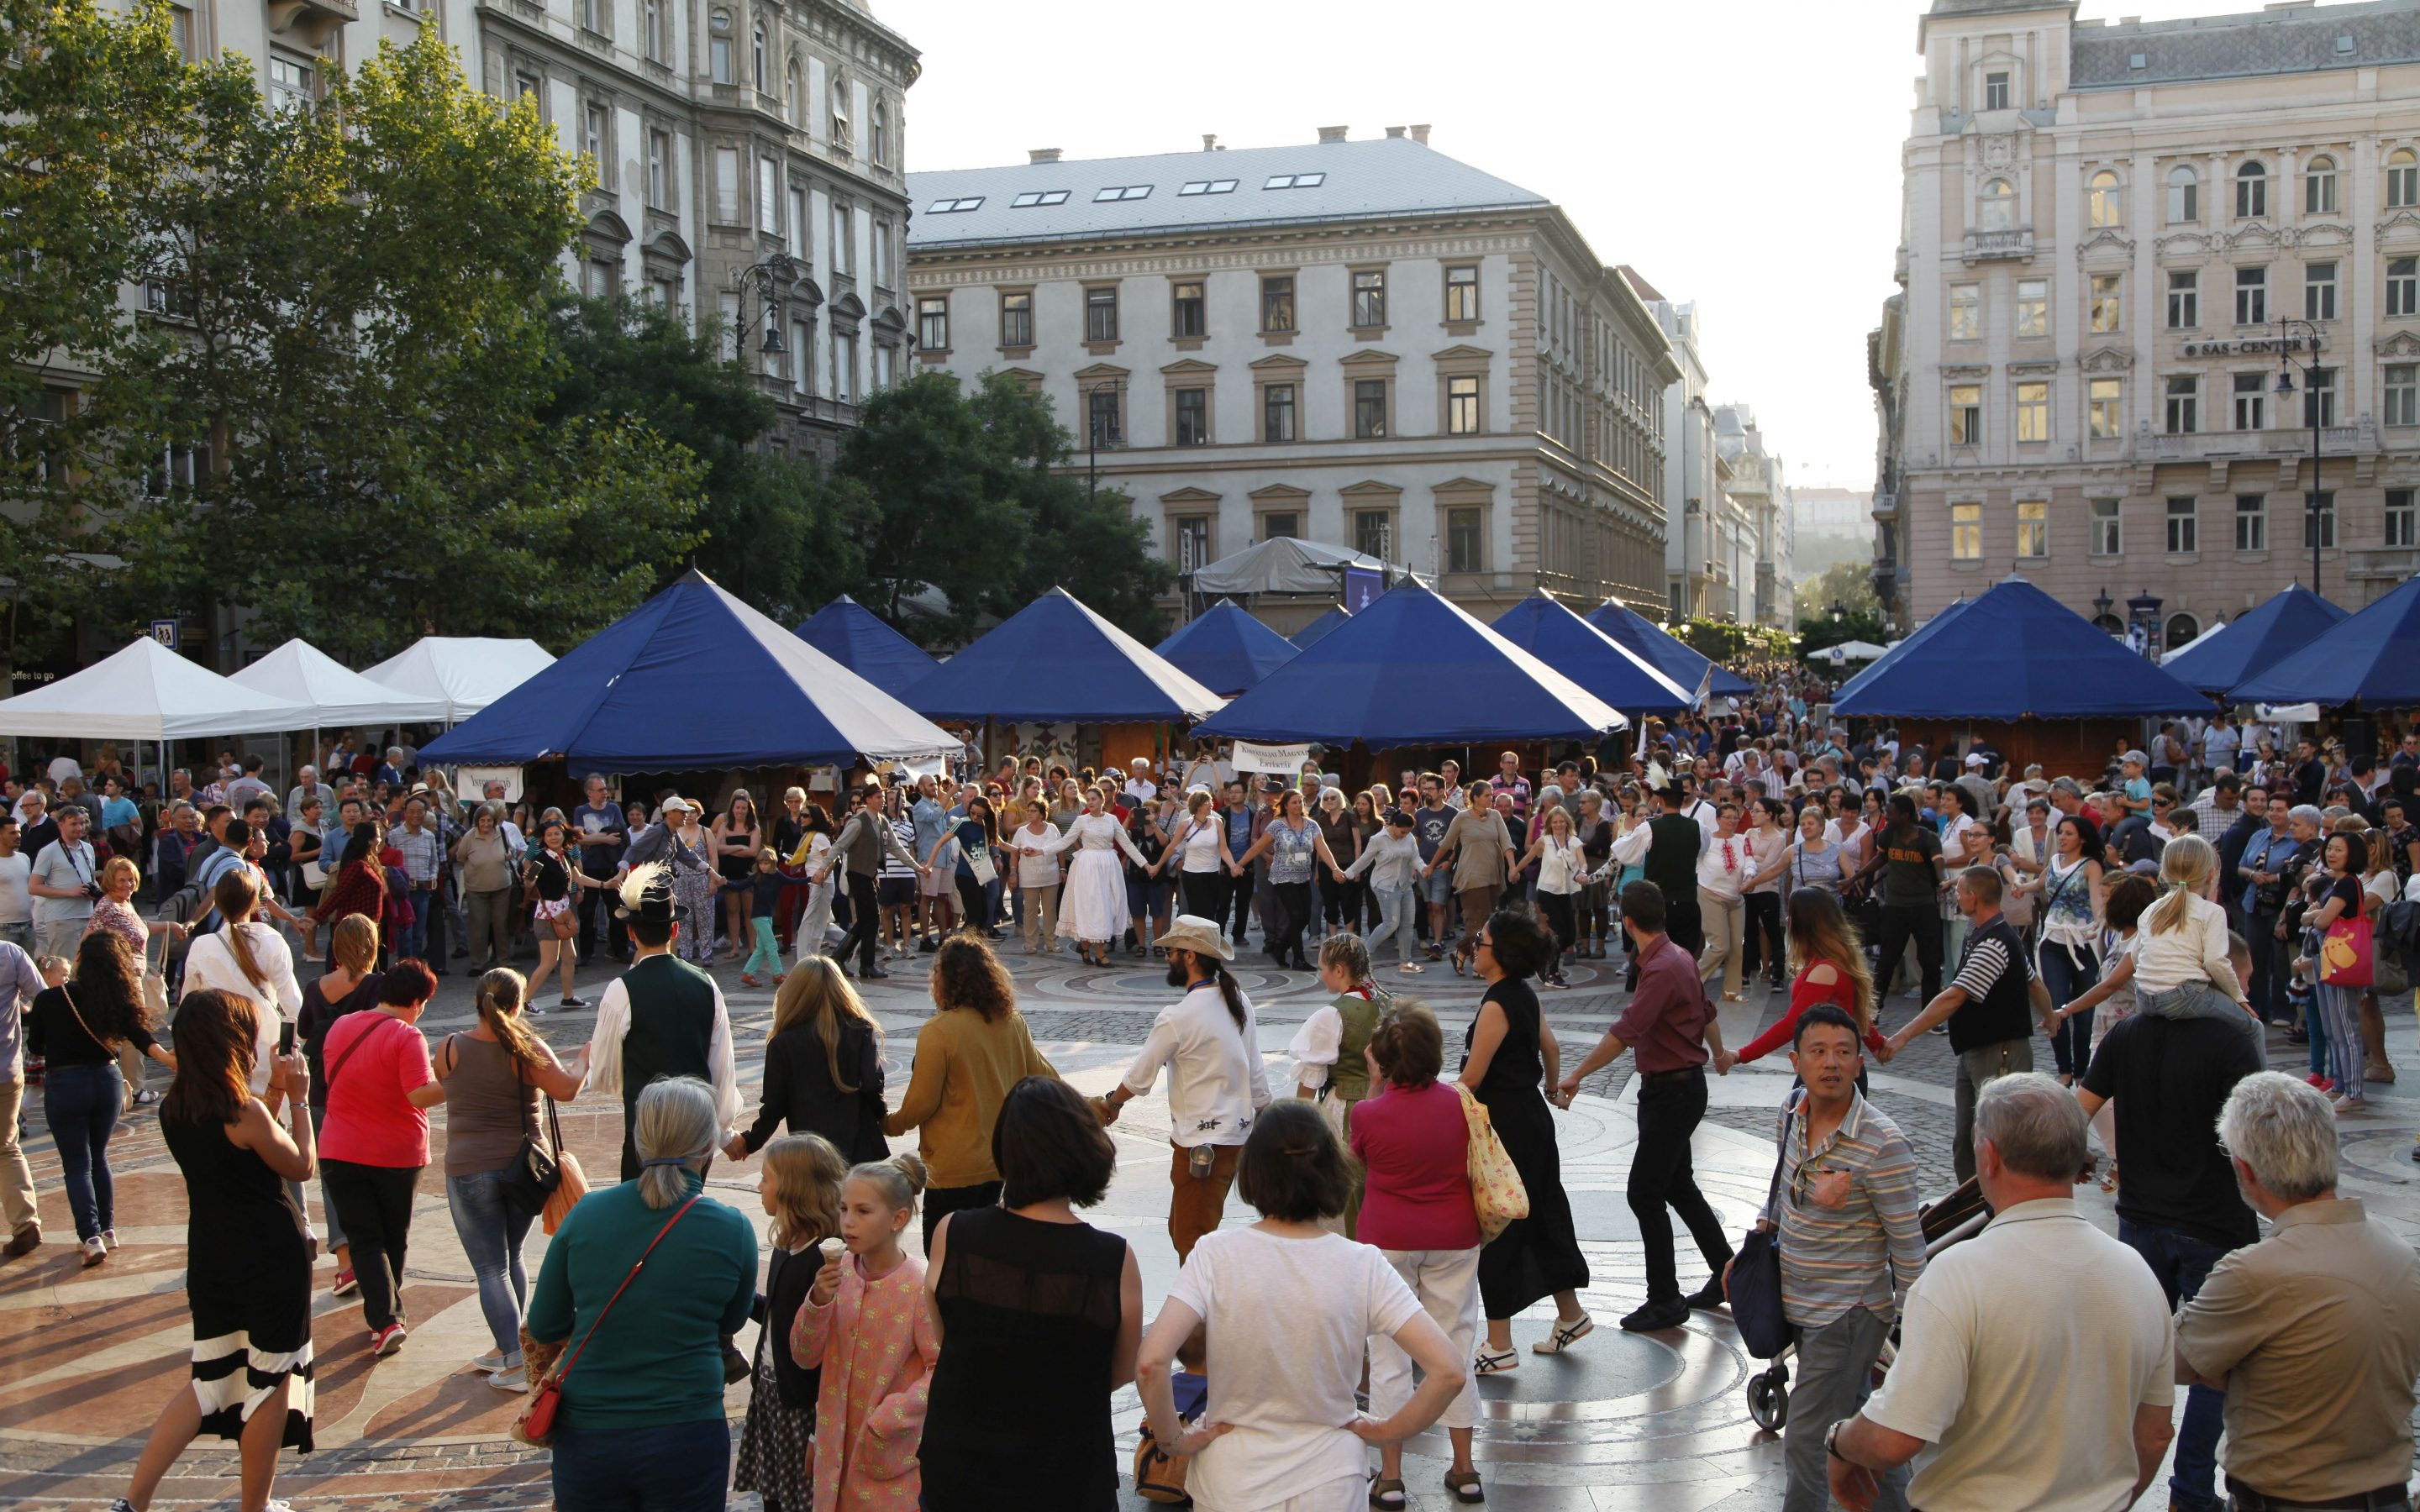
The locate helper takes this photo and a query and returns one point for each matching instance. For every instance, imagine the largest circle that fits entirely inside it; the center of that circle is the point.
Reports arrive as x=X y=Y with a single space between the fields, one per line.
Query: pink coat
x=875 y=1344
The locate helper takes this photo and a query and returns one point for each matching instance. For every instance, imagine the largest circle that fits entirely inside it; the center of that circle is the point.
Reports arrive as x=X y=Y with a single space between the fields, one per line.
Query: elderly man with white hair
x=1139 y=787
x=308 y=785
x=2312 y=1332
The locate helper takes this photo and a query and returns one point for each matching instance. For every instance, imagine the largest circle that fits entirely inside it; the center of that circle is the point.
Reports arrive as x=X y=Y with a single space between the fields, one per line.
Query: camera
x=92 y=890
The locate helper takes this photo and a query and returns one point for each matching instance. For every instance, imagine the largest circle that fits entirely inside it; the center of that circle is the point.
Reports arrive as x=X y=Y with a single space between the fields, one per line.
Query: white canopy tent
x=460 y=674
x=338 y=697
x=1281 y=565
x=1848 y=651
x=148 y=692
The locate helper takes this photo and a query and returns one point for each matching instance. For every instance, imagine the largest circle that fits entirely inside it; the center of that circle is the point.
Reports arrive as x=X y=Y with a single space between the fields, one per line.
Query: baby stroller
x=1951 y=1219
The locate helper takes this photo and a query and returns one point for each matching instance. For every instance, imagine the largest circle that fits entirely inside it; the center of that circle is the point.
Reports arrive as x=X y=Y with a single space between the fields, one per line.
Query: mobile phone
x=285 y=1039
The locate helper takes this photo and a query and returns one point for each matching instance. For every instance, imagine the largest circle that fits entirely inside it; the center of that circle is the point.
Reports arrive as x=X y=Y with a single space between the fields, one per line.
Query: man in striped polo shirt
x=1851 y=1244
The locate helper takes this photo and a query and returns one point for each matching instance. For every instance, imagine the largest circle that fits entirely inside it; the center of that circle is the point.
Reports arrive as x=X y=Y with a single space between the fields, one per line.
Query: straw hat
x=1191 y=932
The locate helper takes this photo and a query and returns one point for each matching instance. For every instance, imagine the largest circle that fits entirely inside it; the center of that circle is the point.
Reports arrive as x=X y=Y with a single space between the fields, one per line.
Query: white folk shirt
x=1215 y=1081
x=614 y=1024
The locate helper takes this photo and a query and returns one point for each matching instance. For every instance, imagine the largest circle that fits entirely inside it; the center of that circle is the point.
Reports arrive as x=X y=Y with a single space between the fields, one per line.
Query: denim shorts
x=1438 y=887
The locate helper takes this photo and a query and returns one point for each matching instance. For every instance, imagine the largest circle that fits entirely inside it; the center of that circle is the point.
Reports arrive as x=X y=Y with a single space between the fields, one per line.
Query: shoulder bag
x=528 y=1182
x=1496 y=1192
x=535 y=1425
x=1754 y=1287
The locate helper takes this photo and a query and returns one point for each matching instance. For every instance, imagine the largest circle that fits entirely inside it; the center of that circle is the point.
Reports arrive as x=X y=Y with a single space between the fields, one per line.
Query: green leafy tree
x=1850 y=585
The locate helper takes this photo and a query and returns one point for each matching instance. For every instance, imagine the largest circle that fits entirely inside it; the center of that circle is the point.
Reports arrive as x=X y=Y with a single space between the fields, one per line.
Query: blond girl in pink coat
x=865 y=1325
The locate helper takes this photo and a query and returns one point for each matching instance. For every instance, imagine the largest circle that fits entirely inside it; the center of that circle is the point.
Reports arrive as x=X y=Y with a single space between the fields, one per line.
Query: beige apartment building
x=1362 y=343
x=2115 y=236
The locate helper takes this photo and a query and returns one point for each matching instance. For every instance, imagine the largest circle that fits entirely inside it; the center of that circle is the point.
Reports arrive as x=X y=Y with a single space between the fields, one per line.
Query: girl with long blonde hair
x=800 y=1187
x=823 y=1066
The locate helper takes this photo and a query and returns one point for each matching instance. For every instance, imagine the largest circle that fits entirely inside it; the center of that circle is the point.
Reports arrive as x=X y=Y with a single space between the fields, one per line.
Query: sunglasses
x=1484 y=943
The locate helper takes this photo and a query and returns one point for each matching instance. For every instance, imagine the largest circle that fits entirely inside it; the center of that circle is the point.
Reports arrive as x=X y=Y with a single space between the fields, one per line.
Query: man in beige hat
x=1211 y=1048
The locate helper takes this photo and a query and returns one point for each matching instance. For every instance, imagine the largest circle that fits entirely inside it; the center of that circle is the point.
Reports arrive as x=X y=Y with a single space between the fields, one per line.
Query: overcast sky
x=1740 y=153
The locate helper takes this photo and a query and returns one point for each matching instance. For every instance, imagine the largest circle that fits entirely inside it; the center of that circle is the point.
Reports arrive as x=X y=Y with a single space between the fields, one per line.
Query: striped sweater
x=1861 y=1246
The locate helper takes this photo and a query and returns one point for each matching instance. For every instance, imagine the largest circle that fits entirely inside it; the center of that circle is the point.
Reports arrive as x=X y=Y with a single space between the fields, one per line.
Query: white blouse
x=211 y=964
x=1725 y=865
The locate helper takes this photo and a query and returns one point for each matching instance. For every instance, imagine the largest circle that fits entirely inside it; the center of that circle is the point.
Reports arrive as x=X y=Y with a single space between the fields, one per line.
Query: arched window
x=2106 y=205
x=881 y=132
x=2251 y=191
x=839 y=113
x=2184 y=195
x=2402 y=179
x=1999 y=206
x=793 y=101
x=2320 y=187
x=718 y=47
x=756 y=65
x=651 y=26
x=2182 y=630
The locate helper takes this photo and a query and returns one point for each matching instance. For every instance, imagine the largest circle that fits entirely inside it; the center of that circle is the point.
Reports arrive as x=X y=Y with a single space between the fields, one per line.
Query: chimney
x=1041 y=155
x=1421 y=133
x=1394 y=131
x=1209 y=140
x=1333 y=133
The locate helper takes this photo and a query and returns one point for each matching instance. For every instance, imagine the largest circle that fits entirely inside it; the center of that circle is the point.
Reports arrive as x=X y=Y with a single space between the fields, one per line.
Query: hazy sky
x=1740 y=153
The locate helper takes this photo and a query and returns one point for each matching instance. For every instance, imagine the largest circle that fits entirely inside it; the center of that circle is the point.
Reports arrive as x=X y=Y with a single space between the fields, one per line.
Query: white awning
x=301 y=672
x=148 y=692
x=464 y=673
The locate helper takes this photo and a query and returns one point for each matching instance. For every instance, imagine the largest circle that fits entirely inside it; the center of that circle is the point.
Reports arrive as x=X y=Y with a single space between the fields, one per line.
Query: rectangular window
x=1100 y=314
x=1369 y=299
x=1965 y=312
x=2319 y=396
x=2184 y=301
x=1369 y=407
x=652 y=26
x=802 y=351
x=2184 y=404
x=1465 y=540
x=1277 y=413
x=2251 y=401
x=1965 y=414
x=1276 y=303
x=1016 y=318
x=1283 y=527
x=1192 y=542
x=2251 y=295
x=1186 y=318
x=1966 y=532
x=768 y=195
x=2185 y=524
x=2108 y=528
x=882 y=253
x=2319 y=525
x=2402 y=181
x=2108 y=400
x=1462 y=293
x=1193 y=417
x=718 y=50
x=292 y=81
x=2033 y=411
x=1462 y=407
x=2251 y=195
x=2320 y=189
x=594 y=121
x=592 y=16
x=2320 y=291
x=844 y=248
x=933 y=322
x=1995 y=91
x=2033 y=307
x=845 y=367
x=2033 y=529
x=1371 y=533
x=2400 y=517
x=2402 y=394
x=2108 y=306
x=2403 y=285
x=2251 y=522
x=659 y=155
x=726 y=185
x=1101 y=406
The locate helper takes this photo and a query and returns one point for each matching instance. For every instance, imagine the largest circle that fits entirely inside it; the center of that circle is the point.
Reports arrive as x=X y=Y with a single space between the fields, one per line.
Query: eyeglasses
x=1484 y=943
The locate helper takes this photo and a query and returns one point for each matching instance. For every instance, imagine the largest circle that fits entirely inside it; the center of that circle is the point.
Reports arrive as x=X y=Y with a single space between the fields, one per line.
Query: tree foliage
x=1850 y=585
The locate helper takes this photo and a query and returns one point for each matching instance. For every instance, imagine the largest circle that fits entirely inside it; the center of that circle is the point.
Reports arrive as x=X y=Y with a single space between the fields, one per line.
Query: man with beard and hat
x=663 y=1017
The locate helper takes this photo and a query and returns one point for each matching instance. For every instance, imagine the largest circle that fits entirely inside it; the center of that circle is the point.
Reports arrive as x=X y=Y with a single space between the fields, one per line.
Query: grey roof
x=1384 y=176
x=2233 y=47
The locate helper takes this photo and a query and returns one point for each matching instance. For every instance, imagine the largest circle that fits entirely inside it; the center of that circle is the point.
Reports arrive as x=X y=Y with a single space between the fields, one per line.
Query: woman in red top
x=380 y=1088
x=361 y=880
x=1413 y=1140
x=1831 y=969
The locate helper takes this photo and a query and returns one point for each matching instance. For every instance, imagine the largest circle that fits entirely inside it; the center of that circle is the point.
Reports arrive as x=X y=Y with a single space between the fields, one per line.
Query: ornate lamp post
x=2311 y=402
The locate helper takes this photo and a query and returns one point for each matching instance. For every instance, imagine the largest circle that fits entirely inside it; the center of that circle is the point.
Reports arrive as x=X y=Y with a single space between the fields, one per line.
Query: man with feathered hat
x=663 y=1017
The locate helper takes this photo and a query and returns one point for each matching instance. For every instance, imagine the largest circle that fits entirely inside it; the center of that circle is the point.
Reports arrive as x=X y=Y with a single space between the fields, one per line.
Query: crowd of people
x=2149 y=921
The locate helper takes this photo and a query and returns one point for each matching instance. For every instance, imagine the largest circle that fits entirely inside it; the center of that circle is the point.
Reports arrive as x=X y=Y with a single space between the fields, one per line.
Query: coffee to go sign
x=2248 y=346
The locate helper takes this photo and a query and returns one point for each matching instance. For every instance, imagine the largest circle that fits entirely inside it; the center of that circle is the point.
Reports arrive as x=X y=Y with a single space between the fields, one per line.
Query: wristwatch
x=1831 y=1445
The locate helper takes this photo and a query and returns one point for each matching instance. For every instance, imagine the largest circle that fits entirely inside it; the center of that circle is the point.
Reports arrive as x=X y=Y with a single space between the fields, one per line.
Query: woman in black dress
x=1509 y=1057
x=247 y=1251
x=823 y=1067
x=1041 y=1315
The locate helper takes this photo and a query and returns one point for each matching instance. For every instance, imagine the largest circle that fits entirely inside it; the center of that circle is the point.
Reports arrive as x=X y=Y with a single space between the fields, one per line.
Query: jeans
x=81 y=1103
x=491 y=1230
x=333 y=1226
x=376 y=1202
x=865 y=931
x=1203 y=894
x=1836 y=1366
x=596 y=920
x=676 y=1467
x=20 y=934
x=767 y=951
x=1977 y=1066
x=1395 y=910
x=1923 y=926
x=2183 y=1263
x=419 y=905
x=1555 y=909
x=1765 y=949
x=1671 y=1107
x=2066 y=977
x=2272 y=962
x=1283 y=935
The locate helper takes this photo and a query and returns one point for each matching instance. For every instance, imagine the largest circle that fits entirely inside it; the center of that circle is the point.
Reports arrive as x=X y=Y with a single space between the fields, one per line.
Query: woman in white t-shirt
x=1197 y=847
x=1289 y=1307
x=251 y=960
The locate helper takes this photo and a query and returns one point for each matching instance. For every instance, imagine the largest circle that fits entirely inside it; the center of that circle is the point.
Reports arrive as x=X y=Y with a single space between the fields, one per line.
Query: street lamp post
x=2100 y=605
x=771 y=279
x=1092 y=428
x=1839 y=611
x=2310 y=402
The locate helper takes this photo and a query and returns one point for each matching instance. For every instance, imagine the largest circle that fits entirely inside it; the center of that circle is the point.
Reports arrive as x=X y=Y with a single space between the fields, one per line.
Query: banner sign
x=1281 y=761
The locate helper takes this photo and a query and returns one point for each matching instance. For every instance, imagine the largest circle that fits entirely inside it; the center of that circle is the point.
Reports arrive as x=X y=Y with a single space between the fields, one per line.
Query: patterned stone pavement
x=1621 y=1422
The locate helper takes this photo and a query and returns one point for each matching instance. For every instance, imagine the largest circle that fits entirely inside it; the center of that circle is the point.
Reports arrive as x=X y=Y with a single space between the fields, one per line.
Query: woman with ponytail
x=251 y=960
x=493 y=1074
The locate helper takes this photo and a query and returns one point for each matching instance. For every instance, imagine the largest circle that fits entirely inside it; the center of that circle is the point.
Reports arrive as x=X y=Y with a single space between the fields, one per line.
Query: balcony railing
x=310 y=21
x=2392 y=563
x=2334 y=440
x=1885 y=506
x=1985 y=246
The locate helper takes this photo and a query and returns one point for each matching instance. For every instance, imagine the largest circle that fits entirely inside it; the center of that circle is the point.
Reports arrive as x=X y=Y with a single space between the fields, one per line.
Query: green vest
x=1349 y=1078
x=672 y=1025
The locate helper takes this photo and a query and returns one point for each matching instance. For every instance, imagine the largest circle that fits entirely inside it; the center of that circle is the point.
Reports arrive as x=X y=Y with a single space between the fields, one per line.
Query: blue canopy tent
x=1675 y=658
x=1304 y=637
x=1589 y=657
x=2372 y=658
x=1414 y=670
x=1055 y=661
x=1921 y=634
x=1226 y=649
x=860 y=641
x=630 y=699
x=2014 y=654
x=2240 y=652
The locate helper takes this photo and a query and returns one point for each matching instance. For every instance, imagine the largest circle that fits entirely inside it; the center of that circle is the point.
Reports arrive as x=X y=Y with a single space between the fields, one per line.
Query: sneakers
x=1563 y=1336
x=492 y=1360
x=385 y=1341
x=515 y=1379
x=571 y=1002
x=1655 y=1317
x=1708 y=1297
x=94 y=1252
x=1490 y=1363
x=346 y=1283
x=109 y=1237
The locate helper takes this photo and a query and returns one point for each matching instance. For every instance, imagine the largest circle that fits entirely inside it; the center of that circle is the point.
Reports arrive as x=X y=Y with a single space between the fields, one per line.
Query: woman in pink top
x=1413 y=1139
x=380 y=1088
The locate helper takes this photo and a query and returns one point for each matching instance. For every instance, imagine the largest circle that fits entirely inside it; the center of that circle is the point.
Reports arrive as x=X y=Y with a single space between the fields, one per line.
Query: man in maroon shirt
x=1672 y=1026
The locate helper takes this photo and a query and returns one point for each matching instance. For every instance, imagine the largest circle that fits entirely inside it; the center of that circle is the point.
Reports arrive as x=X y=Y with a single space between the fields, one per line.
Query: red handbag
x=535 y=1425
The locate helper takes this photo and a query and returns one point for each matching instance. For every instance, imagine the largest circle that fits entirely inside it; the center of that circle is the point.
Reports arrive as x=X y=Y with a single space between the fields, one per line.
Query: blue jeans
x=491 y=1231
x=2066 y=977
x=2182 y=1263
x=81 y=1105
x=415 y=934
x=1395 y=908
x=679 y=1467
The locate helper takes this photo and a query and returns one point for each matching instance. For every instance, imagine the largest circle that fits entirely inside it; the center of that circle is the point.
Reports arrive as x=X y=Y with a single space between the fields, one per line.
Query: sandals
x=1465 y=1486
x=1565 y=1335
x=1490 y=1363
x=1457 y=964
x=1387 y=1495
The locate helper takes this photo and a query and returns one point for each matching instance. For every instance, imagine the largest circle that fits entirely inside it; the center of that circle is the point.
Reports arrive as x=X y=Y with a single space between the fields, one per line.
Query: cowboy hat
x=1191 y=932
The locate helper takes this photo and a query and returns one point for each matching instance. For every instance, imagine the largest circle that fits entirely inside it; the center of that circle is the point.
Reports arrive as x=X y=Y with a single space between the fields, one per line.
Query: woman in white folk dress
x=1093 y=902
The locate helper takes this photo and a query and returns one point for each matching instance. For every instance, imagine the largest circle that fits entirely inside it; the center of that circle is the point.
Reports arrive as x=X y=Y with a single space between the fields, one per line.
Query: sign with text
x=1281 y=761
x=2248 y=346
